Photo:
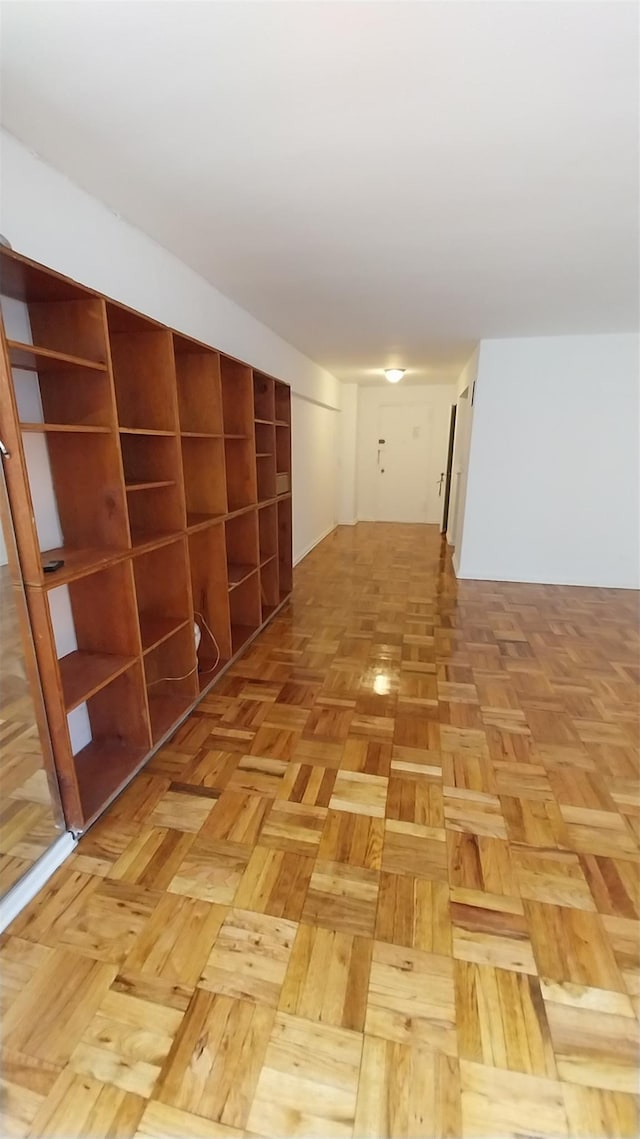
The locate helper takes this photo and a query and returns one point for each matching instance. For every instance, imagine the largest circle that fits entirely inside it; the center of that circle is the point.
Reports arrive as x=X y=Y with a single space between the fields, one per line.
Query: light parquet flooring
x=28 y=822
x=383 y=882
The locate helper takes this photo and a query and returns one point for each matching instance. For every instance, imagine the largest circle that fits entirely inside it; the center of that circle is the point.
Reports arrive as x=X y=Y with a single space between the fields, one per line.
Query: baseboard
x=315 y=543
x=26 y=889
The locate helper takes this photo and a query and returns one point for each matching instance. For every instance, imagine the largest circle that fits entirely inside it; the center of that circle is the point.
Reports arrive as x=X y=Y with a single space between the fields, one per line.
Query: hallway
x=383 y=882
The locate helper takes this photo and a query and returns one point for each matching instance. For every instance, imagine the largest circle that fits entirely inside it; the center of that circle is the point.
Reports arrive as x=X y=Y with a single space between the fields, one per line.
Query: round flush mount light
x=394 y=375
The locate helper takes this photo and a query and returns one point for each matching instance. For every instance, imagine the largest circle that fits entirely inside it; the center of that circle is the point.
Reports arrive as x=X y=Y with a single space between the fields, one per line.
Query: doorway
x=410 y=468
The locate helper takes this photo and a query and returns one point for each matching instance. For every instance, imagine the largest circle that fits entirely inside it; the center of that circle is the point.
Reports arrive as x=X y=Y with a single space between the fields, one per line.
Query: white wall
x=462 y=443
x=313 y=459
x=437 y=397
x=346 y=496
x=48 y=218
x=553 y=490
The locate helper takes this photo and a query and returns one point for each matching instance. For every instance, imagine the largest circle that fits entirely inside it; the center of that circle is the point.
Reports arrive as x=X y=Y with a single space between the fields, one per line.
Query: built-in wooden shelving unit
x=166 y=468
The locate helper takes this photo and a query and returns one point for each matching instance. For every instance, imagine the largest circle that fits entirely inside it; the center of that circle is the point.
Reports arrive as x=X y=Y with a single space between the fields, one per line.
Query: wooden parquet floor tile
x=385 y=881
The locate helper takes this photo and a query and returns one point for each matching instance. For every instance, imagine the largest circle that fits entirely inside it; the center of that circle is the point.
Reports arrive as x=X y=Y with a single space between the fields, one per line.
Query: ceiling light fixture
x=394 y=375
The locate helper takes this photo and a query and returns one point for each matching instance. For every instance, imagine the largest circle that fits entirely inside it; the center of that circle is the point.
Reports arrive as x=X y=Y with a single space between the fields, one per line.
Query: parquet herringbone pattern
x=384 y=882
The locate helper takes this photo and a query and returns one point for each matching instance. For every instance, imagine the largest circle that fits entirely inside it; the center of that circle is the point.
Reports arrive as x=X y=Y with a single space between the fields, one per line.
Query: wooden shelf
x=143 y=431
x=143 y=539
x=155 y=629
x=102 y=768
x=27 y=357
x=132 y=486
x=199 y=521
x=77 y=563
x=43 y=428
x=165 y=711
x=202 y=434
x=240 y=634
x=239 y=573
x=159 y=455
x=207 y=674
x=82 y=674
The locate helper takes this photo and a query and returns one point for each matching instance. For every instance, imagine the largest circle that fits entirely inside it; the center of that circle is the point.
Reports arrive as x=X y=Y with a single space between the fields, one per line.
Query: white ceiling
x=381 y=183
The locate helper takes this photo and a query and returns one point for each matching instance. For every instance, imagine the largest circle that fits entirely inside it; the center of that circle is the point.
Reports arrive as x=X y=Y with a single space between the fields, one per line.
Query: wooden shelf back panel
x=203 y=464
x=284 y=547
x=156 y=511
x=88 y=488
x=241 y=537
x=268 y=532
x=245 y=611
x=237 y=397
x=104 y=611
x=150 y=458
x=240 y=464
x=120 y=739
x=199 y=391
x=283 y=403
x=83 y=674
x=75 y=328
x=144 y=374
x=162 y=591
x=28 y=281
x=263 y=397
x=269 y=588
x=283 y=450
x=209 y=583
x=170 y=673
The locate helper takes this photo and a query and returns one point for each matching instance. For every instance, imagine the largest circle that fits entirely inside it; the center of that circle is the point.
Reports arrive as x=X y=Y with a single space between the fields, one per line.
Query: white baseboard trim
x=26 y=889
x=315 y=543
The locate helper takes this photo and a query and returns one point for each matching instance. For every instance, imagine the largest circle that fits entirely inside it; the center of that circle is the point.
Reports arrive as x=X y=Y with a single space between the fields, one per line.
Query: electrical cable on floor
x=205 y=671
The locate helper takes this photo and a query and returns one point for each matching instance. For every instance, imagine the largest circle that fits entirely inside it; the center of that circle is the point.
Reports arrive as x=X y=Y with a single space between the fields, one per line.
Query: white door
x=408 y=481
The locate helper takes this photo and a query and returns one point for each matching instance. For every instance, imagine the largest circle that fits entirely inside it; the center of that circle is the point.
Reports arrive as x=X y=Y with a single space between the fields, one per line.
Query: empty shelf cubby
x=282 y=403
x=268 y=532
x=162 y=592
x=204 y=479
x=95 y=631
x=269 y=588
x=245 y=611
x=198 y=384
x=240 y=465
x=143 y=372
x=86 y=492
x=170 y=674
x=120 y=738
x=209 y=587
x=263 y=398
x=284 y=547
x=237 y=397
x=241 y=539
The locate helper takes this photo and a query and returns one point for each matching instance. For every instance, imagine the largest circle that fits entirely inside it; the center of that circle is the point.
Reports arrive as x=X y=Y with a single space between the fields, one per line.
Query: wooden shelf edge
x=145 y=431
x=202 y=435
x=134 y=486
x=78 y=428
x=236 y=581
x=98 y=670
x=31 y=358
x=175 y=626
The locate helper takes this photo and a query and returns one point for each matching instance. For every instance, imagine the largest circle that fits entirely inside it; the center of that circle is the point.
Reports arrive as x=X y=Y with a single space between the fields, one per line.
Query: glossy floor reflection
x=383 y=882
